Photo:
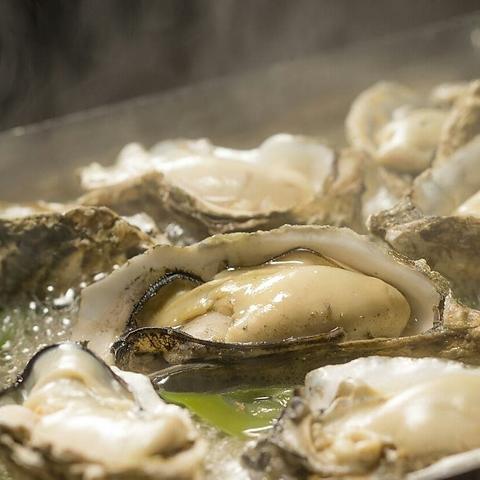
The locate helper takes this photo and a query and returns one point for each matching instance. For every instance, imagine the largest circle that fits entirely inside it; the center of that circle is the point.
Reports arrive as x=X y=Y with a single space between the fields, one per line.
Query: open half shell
x=196 y=188
x=70 y=416
x=376 y=418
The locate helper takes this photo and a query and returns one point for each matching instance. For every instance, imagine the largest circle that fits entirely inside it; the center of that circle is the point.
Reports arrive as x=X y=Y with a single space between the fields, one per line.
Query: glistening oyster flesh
x=377 y=417
x=70 y=416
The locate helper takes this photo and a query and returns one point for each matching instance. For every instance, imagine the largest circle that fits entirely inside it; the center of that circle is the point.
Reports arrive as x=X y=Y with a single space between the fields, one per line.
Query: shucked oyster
x=404 y=133
x=63 y=249
x=377 y=418
x=283 y=290
x=398 y=128
x=70 y=416
x=203 y=189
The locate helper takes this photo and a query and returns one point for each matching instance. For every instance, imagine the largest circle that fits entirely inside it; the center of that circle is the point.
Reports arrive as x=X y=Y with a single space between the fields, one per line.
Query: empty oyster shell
x=193 y=188
x=63 y=249
x=377 y=418
x=70 y=416
x=243 y=295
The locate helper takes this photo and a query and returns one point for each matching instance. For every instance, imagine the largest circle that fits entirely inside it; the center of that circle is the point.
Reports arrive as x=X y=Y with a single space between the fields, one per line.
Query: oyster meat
x=397 y=127
x=400 y=131
x=70 y=416
x=377 y=417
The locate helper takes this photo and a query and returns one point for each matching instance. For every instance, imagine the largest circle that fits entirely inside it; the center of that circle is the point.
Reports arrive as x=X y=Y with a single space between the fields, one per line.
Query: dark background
x=62 y=56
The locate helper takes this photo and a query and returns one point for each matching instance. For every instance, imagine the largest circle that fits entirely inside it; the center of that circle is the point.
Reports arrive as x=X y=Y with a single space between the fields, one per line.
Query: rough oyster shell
x=438 y=324
x=63 y=249
x=70 y=416
x=377 y=417
x=202 y=189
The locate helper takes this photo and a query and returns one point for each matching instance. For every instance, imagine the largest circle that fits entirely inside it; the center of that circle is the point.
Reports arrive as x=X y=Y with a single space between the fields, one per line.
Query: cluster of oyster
x=355 y=267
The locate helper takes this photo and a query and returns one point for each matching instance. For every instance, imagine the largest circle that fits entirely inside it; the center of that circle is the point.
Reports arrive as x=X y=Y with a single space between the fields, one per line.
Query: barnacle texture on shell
x=377 y=417
x=204 y=301
x=63 y=249
x=70 y=416
x=199 y=189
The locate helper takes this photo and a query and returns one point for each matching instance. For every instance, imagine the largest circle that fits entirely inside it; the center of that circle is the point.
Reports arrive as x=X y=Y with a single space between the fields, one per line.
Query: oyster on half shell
x=314 y=289
x=70 y=416
x=405 y=133
x=377 y=417
x=200 y=189
x=396 y=126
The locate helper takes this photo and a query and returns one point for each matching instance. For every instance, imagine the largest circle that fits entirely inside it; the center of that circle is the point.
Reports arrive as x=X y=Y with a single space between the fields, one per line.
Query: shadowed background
x=58 y=56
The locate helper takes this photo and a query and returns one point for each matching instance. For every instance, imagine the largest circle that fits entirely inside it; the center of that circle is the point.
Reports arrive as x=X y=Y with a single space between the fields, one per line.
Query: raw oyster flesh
x=70 y=416
x=377 y=417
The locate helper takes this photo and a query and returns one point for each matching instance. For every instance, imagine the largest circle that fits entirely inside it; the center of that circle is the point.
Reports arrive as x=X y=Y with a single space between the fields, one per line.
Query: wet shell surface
x=70 y=416
x=377 y=417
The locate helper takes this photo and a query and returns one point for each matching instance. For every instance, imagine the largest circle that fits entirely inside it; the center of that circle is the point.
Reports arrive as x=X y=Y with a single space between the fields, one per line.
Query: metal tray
x=308 y=96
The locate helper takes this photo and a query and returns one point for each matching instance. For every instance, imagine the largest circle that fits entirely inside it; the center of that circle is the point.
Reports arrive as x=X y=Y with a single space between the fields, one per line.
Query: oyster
x=377 y=417
x=399 y=129
x=63 y=249
x=239 y=296
x=70 y=416
x=199 y=189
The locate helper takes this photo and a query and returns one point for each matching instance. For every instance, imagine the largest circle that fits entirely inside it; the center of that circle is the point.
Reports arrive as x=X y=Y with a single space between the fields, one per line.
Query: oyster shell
x=63 y=249
x=199 y=189
x=140 y=301
x=377 y=417
x=70 y=416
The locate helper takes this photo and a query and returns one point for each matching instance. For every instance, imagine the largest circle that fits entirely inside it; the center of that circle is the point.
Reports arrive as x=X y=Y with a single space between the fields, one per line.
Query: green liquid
x=240 y=413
